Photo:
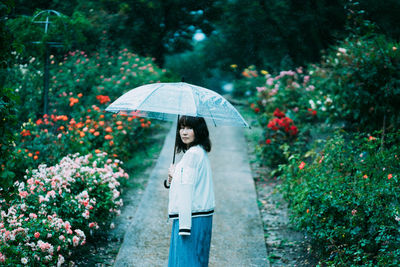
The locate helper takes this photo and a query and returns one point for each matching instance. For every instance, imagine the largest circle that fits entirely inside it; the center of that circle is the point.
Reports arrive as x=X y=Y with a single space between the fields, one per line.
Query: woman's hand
x=171 y=171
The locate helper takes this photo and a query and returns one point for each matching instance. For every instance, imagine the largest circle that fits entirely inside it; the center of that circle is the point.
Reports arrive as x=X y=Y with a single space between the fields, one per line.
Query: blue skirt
x=192 y=250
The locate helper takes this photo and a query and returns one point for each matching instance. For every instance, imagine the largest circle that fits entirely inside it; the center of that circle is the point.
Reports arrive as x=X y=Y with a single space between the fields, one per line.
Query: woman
x=191 y=196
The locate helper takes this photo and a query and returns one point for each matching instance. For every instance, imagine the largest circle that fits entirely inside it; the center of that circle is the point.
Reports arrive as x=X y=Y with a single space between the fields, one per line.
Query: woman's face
x=187 y=135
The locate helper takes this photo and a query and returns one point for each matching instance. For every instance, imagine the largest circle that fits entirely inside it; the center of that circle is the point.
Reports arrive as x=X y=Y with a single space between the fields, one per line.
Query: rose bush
x=49 y=138
x=287 y=110
x=362 y=75
x=346 y=199
x=81 y=86
x=55 y=208
x=101 y=73
x=294 y=92
x=280 y=130
x=79 y=73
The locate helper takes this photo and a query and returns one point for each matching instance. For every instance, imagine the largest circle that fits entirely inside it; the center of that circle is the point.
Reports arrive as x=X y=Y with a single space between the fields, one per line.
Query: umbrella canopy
x=165 y=101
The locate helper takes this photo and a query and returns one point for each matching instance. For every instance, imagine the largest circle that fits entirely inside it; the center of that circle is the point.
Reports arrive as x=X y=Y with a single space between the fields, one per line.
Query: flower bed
x=342 y=188
x=56 y=207
x=51 y=137
x=81 y=86
x=346 y=200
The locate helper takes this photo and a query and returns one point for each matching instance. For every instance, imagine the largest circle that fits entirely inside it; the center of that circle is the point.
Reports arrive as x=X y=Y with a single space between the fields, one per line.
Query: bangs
x=187 y=121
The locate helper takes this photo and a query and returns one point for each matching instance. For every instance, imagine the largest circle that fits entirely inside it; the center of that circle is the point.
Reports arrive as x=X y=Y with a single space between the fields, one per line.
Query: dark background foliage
x=266 y=33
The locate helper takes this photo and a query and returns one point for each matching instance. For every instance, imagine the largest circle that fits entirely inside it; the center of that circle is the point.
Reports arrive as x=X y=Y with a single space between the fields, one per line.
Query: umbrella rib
x=240 y=116
x=212 y=117
x=147 y=97
x=194 y=101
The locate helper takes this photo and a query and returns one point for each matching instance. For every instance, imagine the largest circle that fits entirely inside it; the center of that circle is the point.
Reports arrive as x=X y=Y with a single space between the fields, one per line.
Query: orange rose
x=79 y=125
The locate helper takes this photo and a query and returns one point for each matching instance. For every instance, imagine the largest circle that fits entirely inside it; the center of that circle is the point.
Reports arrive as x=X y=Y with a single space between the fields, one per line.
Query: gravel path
x=238 y=238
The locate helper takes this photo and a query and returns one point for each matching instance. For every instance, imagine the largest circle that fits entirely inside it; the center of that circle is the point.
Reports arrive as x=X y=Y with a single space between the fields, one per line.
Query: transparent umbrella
x=165 y=101
x=169 y=101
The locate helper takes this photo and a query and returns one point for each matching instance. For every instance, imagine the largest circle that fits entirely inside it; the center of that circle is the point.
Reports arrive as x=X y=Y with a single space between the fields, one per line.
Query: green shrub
x=346 y=200
x=363 y=75
x=8 y=124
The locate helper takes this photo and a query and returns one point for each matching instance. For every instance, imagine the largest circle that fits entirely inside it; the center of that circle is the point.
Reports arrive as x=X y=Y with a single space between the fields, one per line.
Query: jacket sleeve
x=186 y=184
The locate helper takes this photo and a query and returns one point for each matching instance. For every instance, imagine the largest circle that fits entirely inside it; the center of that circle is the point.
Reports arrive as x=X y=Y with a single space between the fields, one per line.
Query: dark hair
x=201 y=135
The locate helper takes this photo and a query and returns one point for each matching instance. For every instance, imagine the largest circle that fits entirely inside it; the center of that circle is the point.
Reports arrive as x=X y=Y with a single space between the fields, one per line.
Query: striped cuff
x=184 y=231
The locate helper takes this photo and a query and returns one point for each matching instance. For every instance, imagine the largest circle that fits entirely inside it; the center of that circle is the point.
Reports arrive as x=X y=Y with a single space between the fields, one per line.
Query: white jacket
x=191 y=193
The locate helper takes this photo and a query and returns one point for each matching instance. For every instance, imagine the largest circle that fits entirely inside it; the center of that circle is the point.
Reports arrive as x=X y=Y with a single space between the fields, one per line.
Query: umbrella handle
x=173 y=159
x=165 y=184
x=176 y=137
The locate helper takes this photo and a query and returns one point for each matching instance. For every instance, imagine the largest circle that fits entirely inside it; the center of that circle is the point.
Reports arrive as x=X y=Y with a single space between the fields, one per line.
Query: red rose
x=278 y=113
x=293 y=130
x=302 y=165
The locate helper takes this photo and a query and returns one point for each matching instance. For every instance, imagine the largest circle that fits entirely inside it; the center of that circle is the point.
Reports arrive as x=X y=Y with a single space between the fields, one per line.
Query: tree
x=154 y=28
x=265 y=32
